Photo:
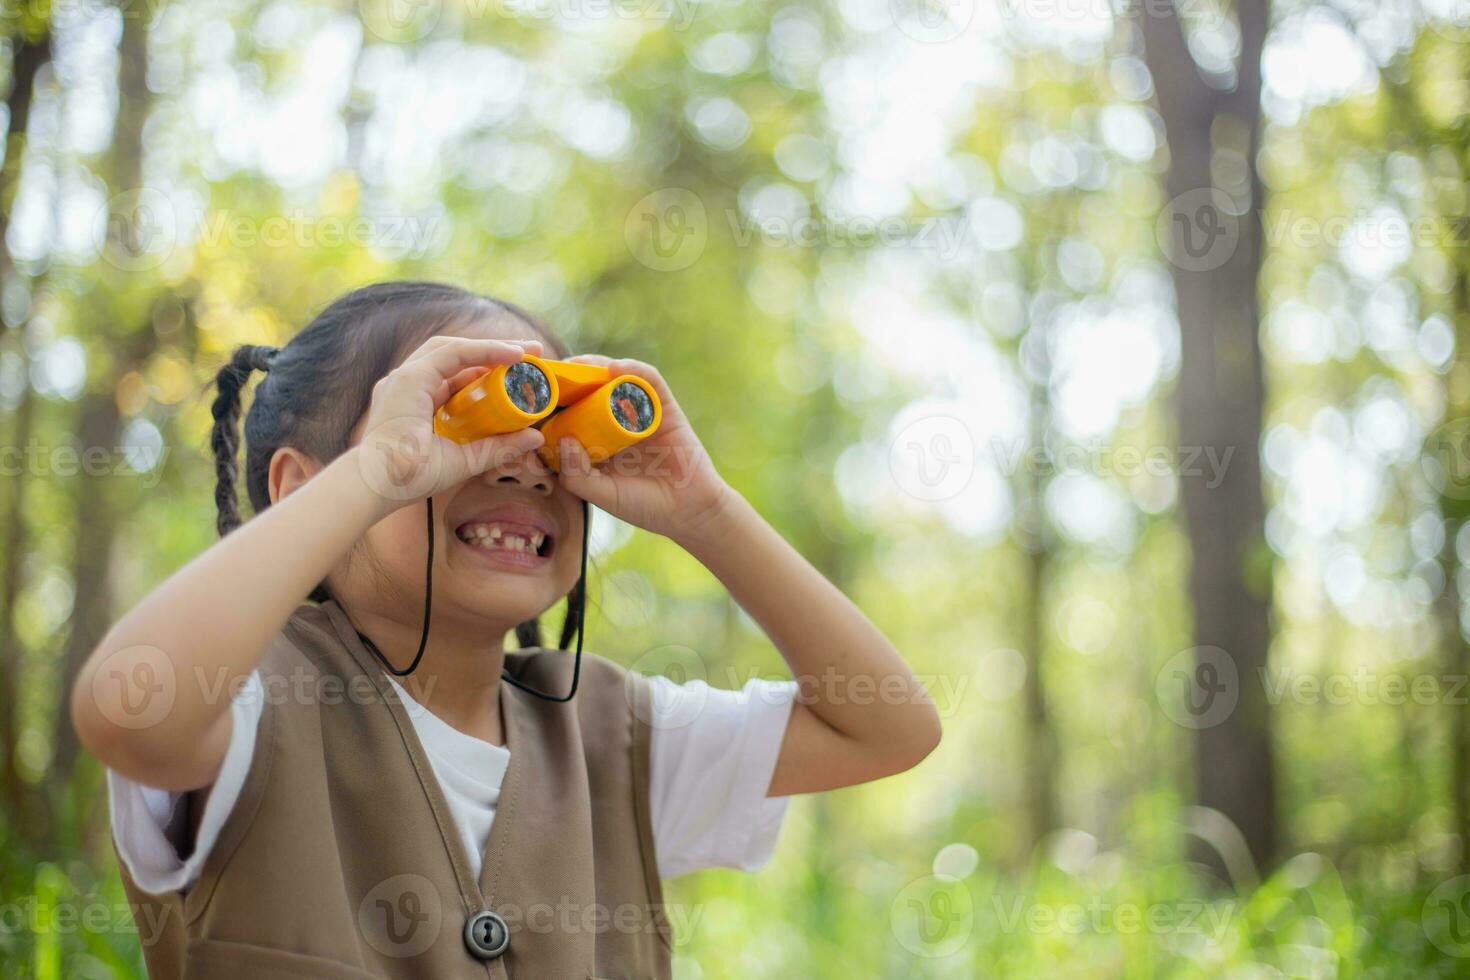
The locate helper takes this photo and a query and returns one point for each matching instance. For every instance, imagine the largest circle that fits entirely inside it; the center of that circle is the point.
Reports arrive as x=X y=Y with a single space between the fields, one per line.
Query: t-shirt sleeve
x=148 y=825
x=712 y=755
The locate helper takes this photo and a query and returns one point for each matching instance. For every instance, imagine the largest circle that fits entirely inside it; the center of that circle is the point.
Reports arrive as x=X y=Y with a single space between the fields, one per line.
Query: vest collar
x=542 y=840
x=368 y=665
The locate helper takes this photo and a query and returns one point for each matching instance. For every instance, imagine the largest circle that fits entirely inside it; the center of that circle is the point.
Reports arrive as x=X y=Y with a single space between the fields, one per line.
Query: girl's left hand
x=665 y=484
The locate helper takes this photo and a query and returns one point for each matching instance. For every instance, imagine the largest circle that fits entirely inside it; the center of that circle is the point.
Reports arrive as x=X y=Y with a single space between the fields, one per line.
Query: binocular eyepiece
x=603 y=411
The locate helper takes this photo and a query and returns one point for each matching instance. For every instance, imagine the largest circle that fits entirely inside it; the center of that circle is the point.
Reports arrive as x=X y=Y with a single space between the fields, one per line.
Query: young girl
x=345 y=788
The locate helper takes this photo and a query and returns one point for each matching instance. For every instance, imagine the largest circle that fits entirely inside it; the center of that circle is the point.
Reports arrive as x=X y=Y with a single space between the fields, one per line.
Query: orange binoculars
x=603 y=411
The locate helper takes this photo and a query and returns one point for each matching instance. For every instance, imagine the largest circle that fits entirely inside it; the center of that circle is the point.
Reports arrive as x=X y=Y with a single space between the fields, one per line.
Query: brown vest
x=341 y=860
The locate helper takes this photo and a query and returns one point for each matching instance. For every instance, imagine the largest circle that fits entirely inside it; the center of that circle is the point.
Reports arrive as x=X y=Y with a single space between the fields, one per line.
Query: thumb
x=579 y=476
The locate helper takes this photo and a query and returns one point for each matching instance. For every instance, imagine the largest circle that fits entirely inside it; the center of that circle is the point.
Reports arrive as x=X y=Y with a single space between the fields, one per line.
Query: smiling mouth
x=506 y=537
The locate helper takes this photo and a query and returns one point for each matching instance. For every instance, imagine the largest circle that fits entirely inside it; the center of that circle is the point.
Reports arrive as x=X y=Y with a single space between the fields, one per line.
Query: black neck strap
x=579 y=597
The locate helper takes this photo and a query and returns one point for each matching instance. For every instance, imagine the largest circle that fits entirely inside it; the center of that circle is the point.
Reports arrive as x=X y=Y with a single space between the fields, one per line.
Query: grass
x=840 y=900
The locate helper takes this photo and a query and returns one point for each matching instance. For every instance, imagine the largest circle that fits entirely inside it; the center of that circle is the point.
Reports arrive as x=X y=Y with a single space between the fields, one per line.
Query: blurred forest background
x=1115 y=357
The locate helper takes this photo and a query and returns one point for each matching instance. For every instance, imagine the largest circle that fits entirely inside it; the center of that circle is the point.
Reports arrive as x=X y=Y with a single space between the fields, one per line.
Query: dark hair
x=318 y=386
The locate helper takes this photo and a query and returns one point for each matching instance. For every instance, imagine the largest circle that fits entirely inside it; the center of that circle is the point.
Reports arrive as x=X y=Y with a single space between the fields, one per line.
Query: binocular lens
x=527 y=387
x=631 y=407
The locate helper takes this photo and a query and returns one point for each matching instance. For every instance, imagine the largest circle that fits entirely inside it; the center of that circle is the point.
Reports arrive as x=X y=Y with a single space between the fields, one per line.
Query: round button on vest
x=486 y=935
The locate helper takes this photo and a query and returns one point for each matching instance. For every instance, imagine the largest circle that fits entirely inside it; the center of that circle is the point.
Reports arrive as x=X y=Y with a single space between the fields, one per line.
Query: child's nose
x=528 y=472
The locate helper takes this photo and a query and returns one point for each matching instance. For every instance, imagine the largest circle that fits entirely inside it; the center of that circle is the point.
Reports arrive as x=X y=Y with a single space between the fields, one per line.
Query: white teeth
x=494 y=536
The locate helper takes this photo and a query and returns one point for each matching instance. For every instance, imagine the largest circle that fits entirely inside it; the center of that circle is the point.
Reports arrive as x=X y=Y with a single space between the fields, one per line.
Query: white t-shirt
x=712 y=755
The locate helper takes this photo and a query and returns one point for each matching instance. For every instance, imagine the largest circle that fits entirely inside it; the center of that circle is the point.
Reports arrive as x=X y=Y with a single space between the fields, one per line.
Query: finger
x=500 y=451
x=597 y=359
x=428 y=347
x=458 y=353
x=643 y=370
x=437 y=340
x=449 y=387
x=466 y=377
x=435 y=347
x=627 y=365
x=579 y=476
x=530 y=344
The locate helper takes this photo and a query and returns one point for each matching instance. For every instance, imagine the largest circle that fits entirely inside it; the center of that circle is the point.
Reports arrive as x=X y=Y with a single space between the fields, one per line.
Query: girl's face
x=507 y=543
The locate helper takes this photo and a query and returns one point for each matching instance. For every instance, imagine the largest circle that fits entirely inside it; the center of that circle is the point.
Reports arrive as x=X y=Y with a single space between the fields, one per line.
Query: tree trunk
x=26 y=63
x=1219 y=402
x=1041 y=742
x=101 y=422
x=14 y=546
x=29 y=58
x=1453 y=507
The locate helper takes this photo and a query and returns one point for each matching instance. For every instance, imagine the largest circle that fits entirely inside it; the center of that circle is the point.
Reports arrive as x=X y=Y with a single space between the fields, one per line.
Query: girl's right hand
x=401 y=458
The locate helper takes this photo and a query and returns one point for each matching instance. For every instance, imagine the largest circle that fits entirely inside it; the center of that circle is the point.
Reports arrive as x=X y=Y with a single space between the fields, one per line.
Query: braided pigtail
x=528 y=634
x=224 y=438
x=576 y=612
